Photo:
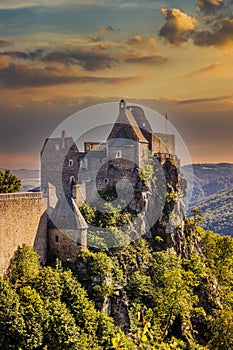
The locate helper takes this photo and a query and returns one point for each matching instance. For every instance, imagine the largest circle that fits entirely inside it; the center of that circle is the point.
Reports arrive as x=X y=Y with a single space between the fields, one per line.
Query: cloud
x=16 y=54
x=22 y=76
x=221 y=34
x=107 y=29
x=17 y=76
x=4 y=43
x=16 y=4
x=208 y=69
x=94 y=38
x=135 y=40
x=178 y=26
x=97 y=56
x=4 y=61
x=89 y=60
x=139 y=41
x=147 y=60
x=204 y=100
x=210 y=6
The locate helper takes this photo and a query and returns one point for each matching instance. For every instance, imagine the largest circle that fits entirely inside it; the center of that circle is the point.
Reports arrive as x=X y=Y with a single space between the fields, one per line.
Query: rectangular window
x=118 y=154
x=71 y=162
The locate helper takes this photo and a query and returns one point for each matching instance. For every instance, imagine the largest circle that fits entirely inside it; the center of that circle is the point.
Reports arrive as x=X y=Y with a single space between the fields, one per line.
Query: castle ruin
x=50 y=220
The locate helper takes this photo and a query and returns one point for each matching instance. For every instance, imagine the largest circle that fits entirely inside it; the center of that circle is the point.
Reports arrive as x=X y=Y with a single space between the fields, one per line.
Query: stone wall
x=23 y=219
x=168 y=140
x=64 y=246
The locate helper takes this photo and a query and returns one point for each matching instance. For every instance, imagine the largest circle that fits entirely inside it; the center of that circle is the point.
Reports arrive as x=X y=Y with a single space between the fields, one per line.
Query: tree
x=48 y=284
x=11 y=320
x=25 y=266
x=9 y=183
x=34 y=314
x=60 y=330
x=222 y=330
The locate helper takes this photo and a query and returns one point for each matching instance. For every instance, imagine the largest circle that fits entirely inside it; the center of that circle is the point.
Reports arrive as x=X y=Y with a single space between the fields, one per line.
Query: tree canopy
x=9 y=183
x=171 y=302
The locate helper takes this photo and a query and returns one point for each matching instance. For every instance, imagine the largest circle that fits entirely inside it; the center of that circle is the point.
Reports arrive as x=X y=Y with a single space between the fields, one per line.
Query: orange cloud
x=178 y=26
x=15 y=76
x=139 y=41
x=4 y=61
x=209 y=69
x=218 y=99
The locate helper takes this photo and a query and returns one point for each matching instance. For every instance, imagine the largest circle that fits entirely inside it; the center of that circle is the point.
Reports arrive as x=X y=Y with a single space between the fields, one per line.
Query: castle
x=51 y=220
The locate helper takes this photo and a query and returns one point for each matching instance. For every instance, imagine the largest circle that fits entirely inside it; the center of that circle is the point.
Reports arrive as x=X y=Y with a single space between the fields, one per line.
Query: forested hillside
x=218 y=211
x=212 y=194
x=165 y=302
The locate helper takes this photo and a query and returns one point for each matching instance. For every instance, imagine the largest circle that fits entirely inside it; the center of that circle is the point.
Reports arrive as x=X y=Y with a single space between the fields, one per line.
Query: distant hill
x=29 y=178
x=212 y=194
x=218 y=211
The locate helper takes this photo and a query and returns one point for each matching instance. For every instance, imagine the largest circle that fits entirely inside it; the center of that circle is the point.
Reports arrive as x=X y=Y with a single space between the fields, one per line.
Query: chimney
x=63 y=139
x=122 y=106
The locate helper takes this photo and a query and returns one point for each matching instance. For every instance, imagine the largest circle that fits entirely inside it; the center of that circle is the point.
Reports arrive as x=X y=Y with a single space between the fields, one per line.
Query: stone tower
x=126 y=139
x=67 y=231
x=59 y=164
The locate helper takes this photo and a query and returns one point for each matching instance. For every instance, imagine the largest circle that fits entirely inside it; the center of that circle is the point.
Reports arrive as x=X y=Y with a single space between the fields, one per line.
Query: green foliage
x=173 y=302
x=49 y=284
x=171 y=194
x=105 y=331
x=221 y=326
x=146 y=173
x=32 y=308
x=107 y=223
x=98 y=266
x=88 y=213
x=121 y=342
x=25 y=266
x=61 y=332
x=108 y=218
x=9 y=183
x=11 y=320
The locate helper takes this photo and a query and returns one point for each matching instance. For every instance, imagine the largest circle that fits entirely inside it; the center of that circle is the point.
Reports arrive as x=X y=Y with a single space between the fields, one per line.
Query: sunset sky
x=60 y=56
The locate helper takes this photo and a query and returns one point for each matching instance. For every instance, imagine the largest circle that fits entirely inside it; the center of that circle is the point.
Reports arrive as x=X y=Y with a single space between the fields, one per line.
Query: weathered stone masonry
x=22 y=220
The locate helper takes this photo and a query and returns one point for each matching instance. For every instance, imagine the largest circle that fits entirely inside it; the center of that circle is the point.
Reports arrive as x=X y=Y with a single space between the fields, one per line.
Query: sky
x=58 y=57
